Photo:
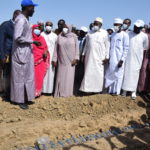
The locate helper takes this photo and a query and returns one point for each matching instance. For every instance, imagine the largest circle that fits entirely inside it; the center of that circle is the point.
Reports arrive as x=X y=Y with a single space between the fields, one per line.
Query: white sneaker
x=124 y=93
x=133 y=96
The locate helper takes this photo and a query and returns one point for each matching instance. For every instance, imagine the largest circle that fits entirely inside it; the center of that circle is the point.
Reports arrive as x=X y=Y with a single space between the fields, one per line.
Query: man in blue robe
x=6 y=40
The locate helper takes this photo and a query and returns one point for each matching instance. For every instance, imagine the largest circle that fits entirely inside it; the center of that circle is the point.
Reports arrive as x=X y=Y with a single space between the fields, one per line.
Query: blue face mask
x=125 y=26
x=37 y=32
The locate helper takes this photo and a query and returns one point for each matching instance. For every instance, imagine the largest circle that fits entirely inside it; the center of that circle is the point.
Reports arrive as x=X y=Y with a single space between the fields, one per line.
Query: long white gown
x=118 y=51
x=48 y=83
x=138 y=43
x=95 y=51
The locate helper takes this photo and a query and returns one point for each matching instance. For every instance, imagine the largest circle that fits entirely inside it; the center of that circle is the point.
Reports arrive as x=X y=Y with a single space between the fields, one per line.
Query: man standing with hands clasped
x=118 y=53
x=51 y=40
x=138 y=43
x=95 y=55
x=22 y=73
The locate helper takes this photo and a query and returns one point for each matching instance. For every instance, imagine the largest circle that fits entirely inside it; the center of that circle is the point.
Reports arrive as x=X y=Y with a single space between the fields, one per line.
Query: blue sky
x=81 y=12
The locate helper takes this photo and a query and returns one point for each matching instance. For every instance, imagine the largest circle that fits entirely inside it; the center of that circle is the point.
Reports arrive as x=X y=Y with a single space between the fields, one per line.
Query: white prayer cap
x=118 y=21
x=85 y=29
x=99 y=19
x=139 y=23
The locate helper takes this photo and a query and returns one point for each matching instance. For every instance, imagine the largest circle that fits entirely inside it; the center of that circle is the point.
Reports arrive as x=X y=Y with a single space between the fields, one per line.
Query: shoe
x=114 y=94
x=133 y=96
x=30 y=103
x=24 y=106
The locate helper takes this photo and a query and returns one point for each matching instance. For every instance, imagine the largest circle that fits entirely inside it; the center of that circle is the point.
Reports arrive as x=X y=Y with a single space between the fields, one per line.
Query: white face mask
x=65 y=30
x=37 y=32
x=48 y=28
x=95 y=28
x=116 y=28
x=125 y=26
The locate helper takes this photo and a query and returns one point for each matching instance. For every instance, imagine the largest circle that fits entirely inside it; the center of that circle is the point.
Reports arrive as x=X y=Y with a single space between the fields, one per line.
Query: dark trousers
x=5 y=73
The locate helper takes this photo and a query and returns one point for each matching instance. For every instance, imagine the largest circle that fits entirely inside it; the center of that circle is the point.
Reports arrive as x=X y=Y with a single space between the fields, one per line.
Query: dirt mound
x=65 y=117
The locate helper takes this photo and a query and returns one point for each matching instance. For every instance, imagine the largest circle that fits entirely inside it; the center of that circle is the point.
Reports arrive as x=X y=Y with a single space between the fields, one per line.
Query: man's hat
x=118 y=21
x=99 y=20
x=139 y=23
x=84 y=29
x=25 y=3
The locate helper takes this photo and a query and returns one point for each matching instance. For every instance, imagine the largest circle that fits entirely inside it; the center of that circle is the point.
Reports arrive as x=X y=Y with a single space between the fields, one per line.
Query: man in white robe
x=51 y=39
x=118 y=53
x=138 y=43
x=96 y=52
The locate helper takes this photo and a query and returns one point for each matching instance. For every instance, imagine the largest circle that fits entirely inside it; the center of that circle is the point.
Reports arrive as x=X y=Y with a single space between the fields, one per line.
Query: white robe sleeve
x=125 y=46
x=107 y=45
x=146 y=42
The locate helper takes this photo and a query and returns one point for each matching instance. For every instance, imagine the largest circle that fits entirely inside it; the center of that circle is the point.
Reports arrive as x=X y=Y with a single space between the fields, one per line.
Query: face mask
x=125 y=26
x=116 y=28
x=37 y=32
x=65 y=30
x=95 y=28
x=48 y=28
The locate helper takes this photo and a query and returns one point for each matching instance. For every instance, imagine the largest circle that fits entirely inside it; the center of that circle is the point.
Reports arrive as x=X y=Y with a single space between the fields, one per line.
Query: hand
x=82 y=59
x=3 y=62
x=74 y=62
x=105 y=61
x=77 y=61
x=45 y=54
x=37 y=43
x=54 y=64
x=120 y=64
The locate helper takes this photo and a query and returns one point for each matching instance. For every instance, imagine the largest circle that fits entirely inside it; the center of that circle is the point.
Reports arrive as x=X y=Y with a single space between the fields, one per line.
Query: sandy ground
x=65 y=117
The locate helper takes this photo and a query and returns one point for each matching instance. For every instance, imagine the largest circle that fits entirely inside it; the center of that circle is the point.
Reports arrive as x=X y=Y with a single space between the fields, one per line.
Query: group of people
x=36 y=59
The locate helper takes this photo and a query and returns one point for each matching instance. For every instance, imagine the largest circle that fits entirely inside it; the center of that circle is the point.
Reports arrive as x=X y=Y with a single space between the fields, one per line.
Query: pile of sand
x=65 y=117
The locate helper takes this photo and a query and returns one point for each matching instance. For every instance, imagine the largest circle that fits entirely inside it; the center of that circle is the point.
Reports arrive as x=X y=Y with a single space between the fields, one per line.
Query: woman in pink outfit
x=41 y=59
